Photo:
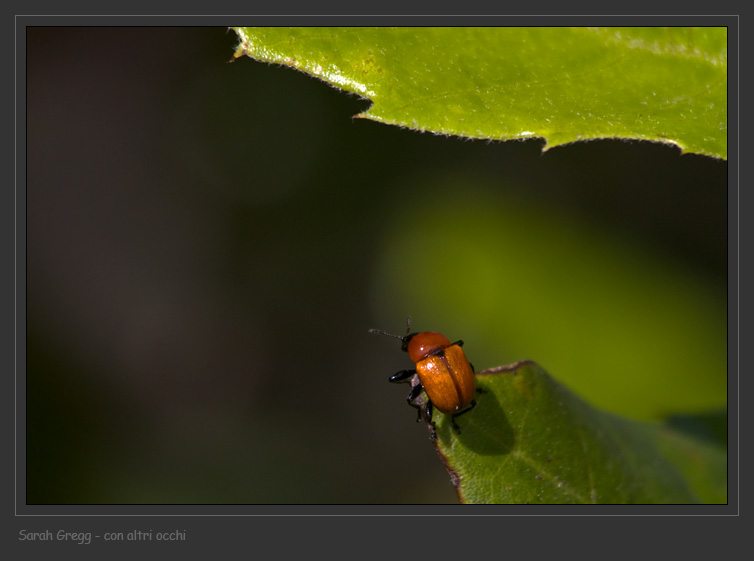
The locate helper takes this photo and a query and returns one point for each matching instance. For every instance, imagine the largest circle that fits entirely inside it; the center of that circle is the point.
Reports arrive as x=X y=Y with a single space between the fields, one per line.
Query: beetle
x=442 y=371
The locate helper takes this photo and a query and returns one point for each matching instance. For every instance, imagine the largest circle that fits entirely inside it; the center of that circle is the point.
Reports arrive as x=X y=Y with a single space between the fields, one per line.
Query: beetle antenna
x=408 y=325
x=380 y=332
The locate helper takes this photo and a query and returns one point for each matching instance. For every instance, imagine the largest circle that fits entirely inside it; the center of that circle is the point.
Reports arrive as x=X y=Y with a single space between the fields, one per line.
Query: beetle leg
x=453 y=417
x=416 y=390
x=402 y=376
x=413 y=394
x=459 y=343
x=426 y=408
x=428 y=417
x=428 y=413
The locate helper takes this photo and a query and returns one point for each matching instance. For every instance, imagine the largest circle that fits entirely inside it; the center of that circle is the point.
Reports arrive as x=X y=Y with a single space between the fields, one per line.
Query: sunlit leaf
x=562 y=84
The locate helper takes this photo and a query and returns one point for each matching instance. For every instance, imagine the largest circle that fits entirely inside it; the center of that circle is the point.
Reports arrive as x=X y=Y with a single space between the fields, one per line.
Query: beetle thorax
x=421 y=345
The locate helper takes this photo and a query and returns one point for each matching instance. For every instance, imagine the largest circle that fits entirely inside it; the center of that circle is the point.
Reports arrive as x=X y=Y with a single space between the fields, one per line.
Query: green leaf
x=562 y=84
x=530 y=440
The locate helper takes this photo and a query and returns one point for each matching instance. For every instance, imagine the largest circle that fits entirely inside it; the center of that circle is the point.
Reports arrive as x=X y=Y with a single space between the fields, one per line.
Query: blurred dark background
x=208 y=244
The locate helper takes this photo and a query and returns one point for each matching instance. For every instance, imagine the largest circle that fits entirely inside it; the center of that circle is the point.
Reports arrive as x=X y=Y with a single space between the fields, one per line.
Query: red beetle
x=443 y=372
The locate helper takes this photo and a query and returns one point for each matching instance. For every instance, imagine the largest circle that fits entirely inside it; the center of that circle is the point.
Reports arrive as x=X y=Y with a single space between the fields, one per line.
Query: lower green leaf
x=530 y=440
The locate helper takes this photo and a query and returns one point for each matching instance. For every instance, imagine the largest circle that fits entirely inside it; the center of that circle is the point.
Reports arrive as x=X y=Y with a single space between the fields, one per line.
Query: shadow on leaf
x=485 y=430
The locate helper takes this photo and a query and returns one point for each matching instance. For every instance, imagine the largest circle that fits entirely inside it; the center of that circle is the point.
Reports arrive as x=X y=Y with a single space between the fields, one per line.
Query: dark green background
x=207 y=247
